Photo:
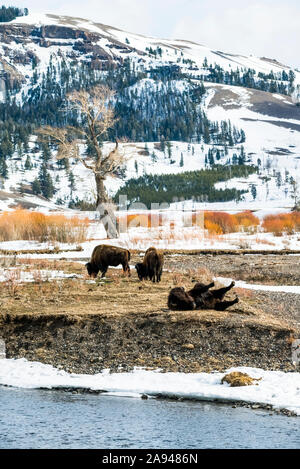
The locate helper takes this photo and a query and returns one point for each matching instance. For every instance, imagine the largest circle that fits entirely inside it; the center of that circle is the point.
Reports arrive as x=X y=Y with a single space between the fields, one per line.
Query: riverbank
x=120 y=323
x=84 y=328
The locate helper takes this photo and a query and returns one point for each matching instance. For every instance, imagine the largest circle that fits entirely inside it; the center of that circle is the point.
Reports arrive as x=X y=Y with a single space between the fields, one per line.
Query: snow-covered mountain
x=44 y=34
x=270 y=120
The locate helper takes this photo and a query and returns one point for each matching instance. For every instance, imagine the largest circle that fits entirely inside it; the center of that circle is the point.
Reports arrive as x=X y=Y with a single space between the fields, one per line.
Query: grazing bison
x=103 y=256
x=200 y=297
x=152 y=265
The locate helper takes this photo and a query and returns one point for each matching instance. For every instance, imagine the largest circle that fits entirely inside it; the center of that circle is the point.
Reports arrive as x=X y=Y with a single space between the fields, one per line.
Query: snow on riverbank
x=252 y=286
x=276 y=388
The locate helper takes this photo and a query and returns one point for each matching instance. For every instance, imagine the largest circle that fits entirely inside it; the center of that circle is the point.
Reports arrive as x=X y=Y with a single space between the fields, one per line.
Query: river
x=35 y=418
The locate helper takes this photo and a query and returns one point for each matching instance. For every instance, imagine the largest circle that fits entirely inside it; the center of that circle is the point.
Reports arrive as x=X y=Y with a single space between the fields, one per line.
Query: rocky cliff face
x=21 y=42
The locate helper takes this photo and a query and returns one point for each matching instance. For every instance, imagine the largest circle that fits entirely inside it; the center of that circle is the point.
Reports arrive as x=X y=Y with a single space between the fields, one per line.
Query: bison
x=103 y=256
x=211 y=299
x=200 y=297
x=179 y=299
x=152 y=265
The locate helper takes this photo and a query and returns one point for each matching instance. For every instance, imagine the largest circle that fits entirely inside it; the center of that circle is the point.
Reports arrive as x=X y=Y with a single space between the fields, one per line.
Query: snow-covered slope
x=46 y=35
x=170 y=47
x=271 y=121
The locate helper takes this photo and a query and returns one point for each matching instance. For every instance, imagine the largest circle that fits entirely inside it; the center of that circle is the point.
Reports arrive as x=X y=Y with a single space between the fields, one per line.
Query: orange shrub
x=295 y=216
x=147 y=220
x=213 y=228
x=282 y=223
x=27 y=225
x=225 y=221
x=246 y=219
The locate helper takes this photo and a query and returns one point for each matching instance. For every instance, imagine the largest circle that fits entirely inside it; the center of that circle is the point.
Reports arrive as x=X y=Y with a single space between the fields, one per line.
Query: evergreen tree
x=3 y=168
x=46 y=153
x=169 y=149
x=28 y=164
x=253 y=191
x=36 y=187
x=46 y=184
x=153 y=157
x=72 y=185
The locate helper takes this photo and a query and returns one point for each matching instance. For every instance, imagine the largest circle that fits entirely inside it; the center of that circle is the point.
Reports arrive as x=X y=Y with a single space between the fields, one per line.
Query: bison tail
x=128 y=255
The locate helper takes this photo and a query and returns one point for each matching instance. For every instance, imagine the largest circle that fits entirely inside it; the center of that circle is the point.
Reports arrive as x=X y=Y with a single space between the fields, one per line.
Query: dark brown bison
x=211 y=299
x=152 y=265
x=179 y=299
x=201 y=296
x=103 y=256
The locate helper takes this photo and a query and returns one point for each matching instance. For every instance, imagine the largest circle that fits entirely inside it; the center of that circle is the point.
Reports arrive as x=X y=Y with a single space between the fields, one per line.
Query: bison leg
x=222 y=305
x=199 y=288
x=221 y=292
x=103 y=271
x=126 y=269
x=151 y=275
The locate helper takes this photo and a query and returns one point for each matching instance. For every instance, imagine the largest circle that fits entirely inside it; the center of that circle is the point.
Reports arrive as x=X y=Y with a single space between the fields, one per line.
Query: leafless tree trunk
x=95 y=118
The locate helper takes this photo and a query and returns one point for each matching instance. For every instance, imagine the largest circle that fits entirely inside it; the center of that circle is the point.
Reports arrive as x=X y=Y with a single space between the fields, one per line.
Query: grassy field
x=115 y=295
x=82 y=325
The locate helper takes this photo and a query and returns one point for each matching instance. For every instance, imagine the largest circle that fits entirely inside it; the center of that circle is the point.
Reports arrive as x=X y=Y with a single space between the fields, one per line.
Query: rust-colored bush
x=146 y=220
x=288 y=223
x=246 y=219
x=225 y=221
x=26 y=225
x=213 y=228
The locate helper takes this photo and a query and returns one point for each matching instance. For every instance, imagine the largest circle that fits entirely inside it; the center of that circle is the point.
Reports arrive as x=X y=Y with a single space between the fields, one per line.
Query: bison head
x=141 y=270
x=92 y=269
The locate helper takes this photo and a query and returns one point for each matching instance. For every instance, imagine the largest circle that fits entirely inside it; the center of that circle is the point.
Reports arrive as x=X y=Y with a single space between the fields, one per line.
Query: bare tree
x=95 y=117
x=295 y=193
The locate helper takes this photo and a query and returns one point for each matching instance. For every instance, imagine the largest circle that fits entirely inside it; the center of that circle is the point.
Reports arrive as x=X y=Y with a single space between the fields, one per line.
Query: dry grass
x=264 y=241
x=27 y=225
x=119 y=296
x=116 y=295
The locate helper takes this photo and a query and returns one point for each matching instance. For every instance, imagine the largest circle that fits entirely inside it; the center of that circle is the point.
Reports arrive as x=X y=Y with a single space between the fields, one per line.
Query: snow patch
x=276 y=388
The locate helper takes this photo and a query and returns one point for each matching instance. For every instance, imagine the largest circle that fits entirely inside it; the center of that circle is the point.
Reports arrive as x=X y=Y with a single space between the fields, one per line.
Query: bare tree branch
x=95 y=117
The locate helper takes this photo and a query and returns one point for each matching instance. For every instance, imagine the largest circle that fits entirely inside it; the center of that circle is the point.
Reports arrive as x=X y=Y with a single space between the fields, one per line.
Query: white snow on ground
x=31 y=245
x=276 y=388
x=252 y=286
x=181 y=238
x=184 y=157
x=16 y=275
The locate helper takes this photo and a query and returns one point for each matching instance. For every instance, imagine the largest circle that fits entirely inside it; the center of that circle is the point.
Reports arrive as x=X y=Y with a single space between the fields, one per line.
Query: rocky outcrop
x=66 y=37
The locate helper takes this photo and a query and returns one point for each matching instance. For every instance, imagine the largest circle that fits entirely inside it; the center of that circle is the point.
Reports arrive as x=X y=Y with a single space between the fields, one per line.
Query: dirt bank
x=186 y=342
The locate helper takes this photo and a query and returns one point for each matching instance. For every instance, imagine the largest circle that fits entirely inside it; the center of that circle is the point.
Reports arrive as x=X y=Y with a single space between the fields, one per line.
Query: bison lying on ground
x=103 y=256
x=200 y=297
x=179 y=299
x=152 y=265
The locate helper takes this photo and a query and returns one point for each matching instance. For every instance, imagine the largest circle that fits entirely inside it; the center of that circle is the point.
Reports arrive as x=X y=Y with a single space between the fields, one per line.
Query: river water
x=35 y=418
